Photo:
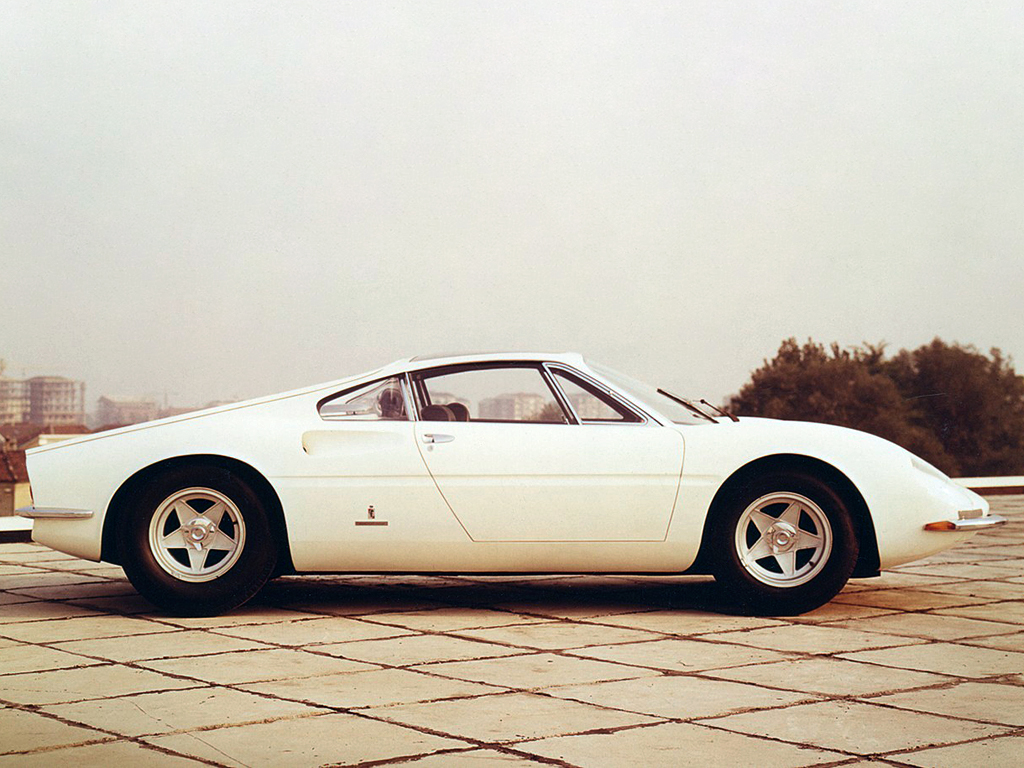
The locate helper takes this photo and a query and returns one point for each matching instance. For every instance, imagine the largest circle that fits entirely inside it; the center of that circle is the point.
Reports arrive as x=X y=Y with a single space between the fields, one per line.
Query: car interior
x=450 y=412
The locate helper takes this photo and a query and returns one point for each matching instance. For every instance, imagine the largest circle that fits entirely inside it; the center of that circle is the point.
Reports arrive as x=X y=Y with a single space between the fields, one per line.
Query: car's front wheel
x=197 y=541
x=784 y=544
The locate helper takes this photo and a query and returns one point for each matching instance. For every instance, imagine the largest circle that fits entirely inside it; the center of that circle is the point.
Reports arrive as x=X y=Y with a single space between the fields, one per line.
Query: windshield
x=645 y=393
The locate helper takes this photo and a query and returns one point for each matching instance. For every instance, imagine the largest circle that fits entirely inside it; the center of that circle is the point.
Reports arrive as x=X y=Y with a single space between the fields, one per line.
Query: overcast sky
x=219 y=200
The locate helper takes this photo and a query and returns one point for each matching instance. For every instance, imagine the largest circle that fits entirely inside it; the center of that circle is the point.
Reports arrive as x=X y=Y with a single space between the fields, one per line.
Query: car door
x=360 y=495
x=516 y=463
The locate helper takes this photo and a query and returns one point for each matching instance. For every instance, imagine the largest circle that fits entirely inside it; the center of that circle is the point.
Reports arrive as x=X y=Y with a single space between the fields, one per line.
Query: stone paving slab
x=998 y=642
x=853 y=726
x=510 y=717
x=991 y=702
x=84 y=683
x=78 y=628
x=1004 y=751
x=682 y=623
x=369 y=688
x=30 y=609
x=906 y=600
x=1008 y=611
x=25 y=731
x=476 y=758
x=679 y=655
x=923 y=666
x=409 y=650
x=188 y=710
x=310 y=741
x=931 y=626
x=534 y=671
x=184 y=643
x=831 y=676
x=945 y=658
x=677 y=697
x=237 y=668
x=676 y=745
x=104 y=754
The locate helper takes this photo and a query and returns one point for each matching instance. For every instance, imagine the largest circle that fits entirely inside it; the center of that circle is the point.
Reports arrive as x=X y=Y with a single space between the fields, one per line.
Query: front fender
x=900 y=498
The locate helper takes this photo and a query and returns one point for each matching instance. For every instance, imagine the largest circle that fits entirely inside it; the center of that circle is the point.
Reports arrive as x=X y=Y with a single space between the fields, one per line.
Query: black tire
x=756 y=539
x=227 y=550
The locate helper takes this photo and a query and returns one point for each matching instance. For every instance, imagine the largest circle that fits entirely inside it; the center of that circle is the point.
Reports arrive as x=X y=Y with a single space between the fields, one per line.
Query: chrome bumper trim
x=971 y=524
x=54 y=513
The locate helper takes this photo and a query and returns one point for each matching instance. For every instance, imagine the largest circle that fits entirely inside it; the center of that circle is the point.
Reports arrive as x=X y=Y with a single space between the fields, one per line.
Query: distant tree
x=972 y=403
x=860 y=388
x=550 y=413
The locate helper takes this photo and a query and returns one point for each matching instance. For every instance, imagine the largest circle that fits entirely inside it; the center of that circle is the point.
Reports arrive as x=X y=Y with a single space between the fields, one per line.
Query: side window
x=505 y=394
x=590 y=404
x=379 y=401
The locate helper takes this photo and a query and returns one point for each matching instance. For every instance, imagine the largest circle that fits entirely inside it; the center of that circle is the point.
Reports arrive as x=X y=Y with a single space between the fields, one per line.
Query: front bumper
x=967 y=520
x=54 y=513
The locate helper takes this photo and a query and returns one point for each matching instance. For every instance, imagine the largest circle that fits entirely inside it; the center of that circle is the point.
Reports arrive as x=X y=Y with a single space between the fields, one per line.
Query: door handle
x=435 y=438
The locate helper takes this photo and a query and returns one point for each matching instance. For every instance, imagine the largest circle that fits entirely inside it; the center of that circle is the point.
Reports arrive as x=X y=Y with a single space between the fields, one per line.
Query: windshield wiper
x=720 y=410
x=687 y=404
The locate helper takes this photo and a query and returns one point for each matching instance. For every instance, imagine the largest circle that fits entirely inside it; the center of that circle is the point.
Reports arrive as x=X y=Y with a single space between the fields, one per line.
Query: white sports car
x=491 y=463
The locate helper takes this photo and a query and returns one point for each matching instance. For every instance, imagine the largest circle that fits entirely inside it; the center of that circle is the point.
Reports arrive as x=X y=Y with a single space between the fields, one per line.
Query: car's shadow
x=566 y=596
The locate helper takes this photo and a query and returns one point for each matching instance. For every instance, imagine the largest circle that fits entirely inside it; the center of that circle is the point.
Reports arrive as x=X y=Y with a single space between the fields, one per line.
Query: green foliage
x=551 y=413
x=952 y=405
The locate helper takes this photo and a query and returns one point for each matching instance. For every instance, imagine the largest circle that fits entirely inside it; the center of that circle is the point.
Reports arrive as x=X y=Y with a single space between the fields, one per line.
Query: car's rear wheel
x=784 y=544
x=197 y=542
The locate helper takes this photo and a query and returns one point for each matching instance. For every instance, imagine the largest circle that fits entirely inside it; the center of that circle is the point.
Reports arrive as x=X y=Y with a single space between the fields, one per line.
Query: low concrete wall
x=993 y=486
x=13 y=496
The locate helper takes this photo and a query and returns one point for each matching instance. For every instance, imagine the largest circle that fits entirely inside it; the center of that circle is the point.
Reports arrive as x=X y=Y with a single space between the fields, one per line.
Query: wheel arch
x=868 y=559
x=122 y=498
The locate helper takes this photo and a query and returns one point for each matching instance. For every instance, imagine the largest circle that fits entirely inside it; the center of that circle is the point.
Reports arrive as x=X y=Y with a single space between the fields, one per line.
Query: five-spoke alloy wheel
x=783 y=539
x=197 y=534
x=784 y=544
x=197 y=541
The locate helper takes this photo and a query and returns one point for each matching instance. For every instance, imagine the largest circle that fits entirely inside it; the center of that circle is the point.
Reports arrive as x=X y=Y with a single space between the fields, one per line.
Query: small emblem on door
x=371 y=518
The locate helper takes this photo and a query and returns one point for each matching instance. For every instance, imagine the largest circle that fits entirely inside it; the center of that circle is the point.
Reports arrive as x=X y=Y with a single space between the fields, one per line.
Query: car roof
x=436 y=360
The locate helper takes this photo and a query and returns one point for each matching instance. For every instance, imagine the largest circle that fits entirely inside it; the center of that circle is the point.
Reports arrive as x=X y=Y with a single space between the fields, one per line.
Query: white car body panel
x=577 y=498
x=550 y=482
x=901 y=500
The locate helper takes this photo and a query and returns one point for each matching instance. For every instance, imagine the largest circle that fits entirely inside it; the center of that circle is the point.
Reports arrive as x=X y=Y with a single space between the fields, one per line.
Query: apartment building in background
x=13 y=401
x=49 y=401
x=113 y=412
x=514 y=406
x=54 y=401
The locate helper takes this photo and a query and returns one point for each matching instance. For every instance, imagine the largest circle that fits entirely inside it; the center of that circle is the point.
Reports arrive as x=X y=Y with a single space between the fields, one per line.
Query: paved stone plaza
x=923 y=667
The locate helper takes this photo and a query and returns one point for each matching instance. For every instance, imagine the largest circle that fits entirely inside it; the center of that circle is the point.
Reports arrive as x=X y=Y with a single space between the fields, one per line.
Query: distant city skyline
x=52 y=400
x=159 y=398
x=224 y=200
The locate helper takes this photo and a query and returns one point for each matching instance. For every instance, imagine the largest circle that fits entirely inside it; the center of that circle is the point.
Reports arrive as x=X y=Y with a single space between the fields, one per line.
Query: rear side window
x=379 y=401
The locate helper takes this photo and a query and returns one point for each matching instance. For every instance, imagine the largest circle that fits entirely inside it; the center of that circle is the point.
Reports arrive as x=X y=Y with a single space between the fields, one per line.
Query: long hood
x=728 y=445
x=778 y=429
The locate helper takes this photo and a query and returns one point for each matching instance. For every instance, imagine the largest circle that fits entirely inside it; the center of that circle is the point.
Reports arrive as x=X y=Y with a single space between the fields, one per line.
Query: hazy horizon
x=219 y=201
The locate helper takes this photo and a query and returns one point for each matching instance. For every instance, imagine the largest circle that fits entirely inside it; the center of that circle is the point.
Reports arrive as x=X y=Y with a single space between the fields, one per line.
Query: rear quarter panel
x=85 y=473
